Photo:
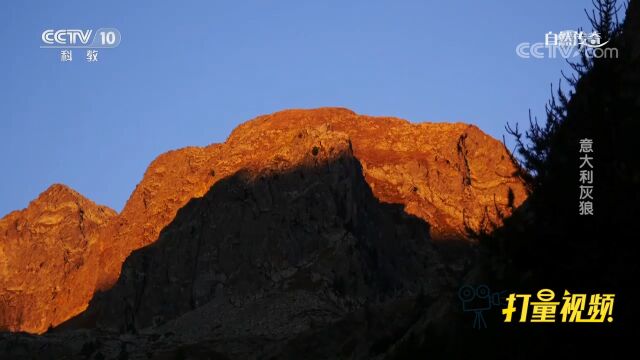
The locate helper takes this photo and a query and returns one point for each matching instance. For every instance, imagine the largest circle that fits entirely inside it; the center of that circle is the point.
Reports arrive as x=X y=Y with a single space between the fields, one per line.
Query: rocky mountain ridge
x=449 y=176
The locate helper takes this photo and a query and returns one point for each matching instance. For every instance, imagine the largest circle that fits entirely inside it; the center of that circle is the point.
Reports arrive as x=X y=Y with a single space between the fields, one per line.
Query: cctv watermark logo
x=87 y=39
x=567 y=44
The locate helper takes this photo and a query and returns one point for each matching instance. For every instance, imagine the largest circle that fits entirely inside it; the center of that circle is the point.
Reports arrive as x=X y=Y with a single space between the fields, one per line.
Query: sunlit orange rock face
x=450 y=175
x=46 y=270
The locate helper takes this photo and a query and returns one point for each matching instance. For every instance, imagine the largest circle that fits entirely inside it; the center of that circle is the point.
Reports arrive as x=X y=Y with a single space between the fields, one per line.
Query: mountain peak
x=450 y=176
x=58 y=191
x=44 y=251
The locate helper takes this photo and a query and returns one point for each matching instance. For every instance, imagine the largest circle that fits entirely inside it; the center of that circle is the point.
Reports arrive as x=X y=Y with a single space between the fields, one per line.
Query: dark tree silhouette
x=546 y=243
x=533 y=146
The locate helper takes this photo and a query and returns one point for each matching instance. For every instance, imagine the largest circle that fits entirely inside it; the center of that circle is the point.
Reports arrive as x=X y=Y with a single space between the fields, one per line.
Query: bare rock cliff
x=46 y=270
x=55 y=254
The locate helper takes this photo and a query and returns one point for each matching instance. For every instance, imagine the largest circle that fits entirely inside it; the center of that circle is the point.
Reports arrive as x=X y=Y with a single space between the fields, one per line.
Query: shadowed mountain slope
x=449 y=175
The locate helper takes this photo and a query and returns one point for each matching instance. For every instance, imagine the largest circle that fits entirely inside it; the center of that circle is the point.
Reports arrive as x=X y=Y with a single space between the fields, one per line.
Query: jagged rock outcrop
x=448 y=175
x=46 y=272
x=267 y=252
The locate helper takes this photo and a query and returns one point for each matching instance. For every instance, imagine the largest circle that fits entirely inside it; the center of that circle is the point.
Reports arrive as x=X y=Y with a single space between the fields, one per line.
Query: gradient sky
x=186 y=73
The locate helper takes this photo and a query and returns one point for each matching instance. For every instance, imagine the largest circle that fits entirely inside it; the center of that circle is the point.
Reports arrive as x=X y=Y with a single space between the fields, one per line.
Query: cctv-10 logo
x=75 y=38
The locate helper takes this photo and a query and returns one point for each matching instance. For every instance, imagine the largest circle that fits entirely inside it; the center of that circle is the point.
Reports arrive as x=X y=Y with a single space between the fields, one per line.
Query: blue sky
x=187 y=72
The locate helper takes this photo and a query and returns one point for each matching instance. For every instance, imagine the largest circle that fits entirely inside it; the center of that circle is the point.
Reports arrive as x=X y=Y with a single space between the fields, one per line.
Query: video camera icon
x=478 y=299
